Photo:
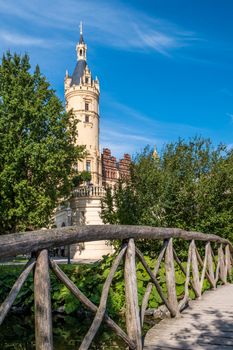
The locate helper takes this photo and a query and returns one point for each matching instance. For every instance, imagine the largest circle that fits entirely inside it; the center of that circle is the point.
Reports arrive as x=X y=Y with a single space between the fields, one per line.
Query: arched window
x=81 y=52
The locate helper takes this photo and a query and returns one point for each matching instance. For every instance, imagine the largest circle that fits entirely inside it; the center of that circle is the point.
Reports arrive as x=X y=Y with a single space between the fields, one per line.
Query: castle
x=82 y=94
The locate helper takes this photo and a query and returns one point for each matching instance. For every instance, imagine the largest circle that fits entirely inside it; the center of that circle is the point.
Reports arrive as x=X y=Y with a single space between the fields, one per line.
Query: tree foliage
x=37 y=146
x=82 y=177
x=189 y=186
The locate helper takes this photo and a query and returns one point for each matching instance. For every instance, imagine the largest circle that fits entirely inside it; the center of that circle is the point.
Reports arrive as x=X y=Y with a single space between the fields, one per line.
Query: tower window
x=86 y=80
x=87 y=119
x=88 y=166
x=86 y=106
x=81 y=52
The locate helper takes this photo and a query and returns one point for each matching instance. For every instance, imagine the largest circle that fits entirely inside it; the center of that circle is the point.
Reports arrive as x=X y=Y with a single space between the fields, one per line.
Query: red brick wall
x=109 y=166
x=111 y=170
x=124 y=166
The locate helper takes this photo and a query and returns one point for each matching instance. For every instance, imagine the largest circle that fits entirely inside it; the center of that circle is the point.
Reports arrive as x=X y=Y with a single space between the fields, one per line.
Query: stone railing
x=89 y=191
x=212 y=260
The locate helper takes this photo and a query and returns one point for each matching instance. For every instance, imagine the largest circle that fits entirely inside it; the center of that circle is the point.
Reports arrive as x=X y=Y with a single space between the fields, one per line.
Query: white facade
x=82 y=97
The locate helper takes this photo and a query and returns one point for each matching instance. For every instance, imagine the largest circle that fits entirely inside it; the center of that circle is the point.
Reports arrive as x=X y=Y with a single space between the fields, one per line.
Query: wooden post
x=187 y=280
x=195 y=271
x=170 y=277
x=210 y=266
x=204 y=266
x=222 y=268
x=187 y=271
x=43 y=314
x=228 y=260
x=132 y=310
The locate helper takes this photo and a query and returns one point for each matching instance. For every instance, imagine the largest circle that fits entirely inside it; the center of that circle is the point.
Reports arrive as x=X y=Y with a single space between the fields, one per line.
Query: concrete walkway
x=206 y=324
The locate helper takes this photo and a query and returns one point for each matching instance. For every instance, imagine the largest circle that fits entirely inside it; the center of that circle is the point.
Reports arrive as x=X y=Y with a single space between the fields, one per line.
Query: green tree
x=80 y=178
x=120 y=206
x=215 y=199
x=37 y=146
x=189 y=186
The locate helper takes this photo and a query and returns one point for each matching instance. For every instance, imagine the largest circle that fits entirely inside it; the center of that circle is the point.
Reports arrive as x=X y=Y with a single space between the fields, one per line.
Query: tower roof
x=78 y=72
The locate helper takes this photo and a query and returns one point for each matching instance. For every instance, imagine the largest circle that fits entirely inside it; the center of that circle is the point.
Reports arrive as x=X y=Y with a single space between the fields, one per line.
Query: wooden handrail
x=215 y=268
x=26 y=242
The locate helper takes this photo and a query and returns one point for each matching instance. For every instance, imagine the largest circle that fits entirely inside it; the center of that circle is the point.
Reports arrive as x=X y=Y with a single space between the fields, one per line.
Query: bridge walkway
x=206 y=324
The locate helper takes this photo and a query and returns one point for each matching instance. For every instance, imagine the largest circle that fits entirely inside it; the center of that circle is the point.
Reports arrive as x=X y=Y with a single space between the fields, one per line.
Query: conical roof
x=78 y=72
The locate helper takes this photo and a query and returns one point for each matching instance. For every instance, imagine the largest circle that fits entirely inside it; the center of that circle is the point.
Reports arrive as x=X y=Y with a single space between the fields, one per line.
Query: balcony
x=89 y=191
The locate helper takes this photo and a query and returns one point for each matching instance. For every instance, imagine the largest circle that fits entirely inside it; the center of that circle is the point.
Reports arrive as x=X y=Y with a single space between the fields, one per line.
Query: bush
x=90 y=279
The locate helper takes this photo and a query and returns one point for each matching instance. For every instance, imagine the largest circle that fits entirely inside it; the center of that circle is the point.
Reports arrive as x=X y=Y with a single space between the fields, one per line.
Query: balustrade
x=215 y=267
x=89 y=191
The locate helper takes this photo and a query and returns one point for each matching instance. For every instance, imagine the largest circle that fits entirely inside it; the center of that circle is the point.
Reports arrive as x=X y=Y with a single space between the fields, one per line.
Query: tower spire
x=81 y=28
x=81 y=47
x=81 y=40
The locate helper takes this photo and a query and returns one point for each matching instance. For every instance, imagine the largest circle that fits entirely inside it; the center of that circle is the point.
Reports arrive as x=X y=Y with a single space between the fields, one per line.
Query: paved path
x=206 y=324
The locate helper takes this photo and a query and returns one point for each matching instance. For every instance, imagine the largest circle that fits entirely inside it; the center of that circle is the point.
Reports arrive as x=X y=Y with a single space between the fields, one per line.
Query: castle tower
x=82 y=96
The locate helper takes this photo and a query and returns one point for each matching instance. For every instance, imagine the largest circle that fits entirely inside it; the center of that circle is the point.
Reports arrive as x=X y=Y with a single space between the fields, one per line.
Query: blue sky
x=165 y=66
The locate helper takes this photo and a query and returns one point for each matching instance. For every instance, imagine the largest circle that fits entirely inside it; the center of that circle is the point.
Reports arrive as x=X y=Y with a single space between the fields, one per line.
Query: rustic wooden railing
x=215 y=266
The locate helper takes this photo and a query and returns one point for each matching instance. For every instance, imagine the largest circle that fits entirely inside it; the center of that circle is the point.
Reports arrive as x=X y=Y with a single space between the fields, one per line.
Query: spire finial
x=81 y=28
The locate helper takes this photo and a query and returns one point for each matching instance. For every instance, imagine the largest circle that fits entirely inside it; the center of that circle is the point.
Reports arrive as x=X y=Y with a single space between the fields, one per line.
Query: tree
x=80 y=178
x=120 y=206
x=37 y=147
x=189 y=186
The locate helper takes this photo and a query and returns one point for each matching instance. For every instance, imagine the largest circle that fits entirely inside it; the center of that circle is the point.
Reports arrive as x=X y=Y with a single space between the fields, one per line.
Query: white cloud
x=109 y=134
x=109 y=23
x=135 y=130
x=22 y=40
x=153 y=122
x=127 y=110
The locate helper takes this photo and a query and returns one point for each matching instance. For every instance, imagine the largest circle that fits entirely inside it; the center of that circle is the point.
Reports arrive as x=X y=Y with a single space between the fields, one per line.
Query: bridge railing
x=215 y=266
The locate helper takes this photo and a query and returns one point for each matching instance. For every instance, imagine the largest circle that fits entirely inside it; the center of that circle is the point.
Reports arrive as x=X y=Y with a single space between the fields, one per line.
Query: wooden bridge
x=205 y=324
